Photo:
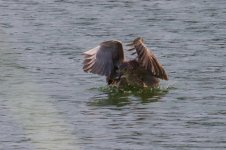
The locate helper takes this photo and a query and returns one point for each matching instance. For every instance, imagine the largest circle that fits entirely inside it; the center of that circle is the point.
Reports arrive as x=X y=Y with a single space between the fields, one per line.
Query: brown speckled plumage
x=108 y=59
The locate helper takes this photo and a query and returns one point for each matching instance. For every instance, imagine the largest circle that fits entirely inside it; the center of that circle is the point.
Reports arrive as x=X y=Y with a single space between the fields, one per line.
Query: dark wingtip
x=166 y=77
x=136 y=41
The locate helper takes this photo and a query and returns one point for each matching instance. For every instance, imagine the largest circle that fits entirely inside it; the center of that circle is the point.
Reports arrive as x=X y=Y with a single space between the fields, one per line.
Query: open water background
x=47 y=102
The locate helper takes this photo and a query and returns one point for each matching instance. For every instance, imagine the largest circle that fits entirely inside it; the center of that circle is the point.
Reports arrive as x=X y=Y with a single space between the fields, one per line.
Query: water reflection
x=118 y=97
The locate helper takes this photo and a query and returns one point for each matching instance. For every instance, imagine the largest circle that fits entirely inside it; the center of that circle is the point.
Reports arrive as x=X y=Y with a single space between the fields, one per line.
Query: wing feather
x=104 y=58
x=148 y=60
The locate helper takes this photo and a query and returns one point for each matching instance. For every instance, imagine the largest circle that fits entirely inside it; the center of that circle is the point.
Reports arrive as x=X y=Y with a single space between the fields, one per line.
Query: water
x=48 y=102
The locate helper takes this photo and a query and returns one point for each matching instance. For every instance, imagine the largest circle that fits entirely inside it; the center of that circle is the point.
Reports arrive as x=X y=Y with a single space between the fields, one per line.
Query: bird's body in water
x=108 y=59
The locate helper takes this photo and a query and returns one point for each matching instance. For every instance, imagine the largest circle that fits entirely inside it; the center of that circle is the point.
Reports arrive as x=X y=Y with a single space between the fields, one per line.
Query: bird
x=108 y=59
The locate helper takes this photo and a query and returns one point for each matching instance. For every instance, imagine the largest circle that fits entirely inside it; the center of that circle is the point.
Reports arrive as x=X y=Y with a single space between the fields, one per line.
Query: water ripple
x=48 y=102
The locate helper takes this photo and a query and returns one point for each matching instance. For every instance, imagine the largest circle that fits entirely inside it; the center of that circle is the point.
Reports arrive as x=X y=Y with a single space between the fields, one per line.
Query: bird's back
x=134 y=74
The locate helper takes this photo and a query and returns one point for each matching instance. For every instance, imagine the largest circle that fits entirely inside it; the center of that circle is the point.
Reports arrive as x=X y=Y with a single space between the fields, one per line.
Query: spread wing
x=148 y=60
x=104 y=59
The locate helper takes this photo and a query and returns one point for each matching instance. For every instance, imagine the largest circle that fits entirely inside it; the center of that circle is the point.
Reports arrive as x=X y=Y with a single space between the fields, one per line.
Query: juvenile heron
x=108 y=60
